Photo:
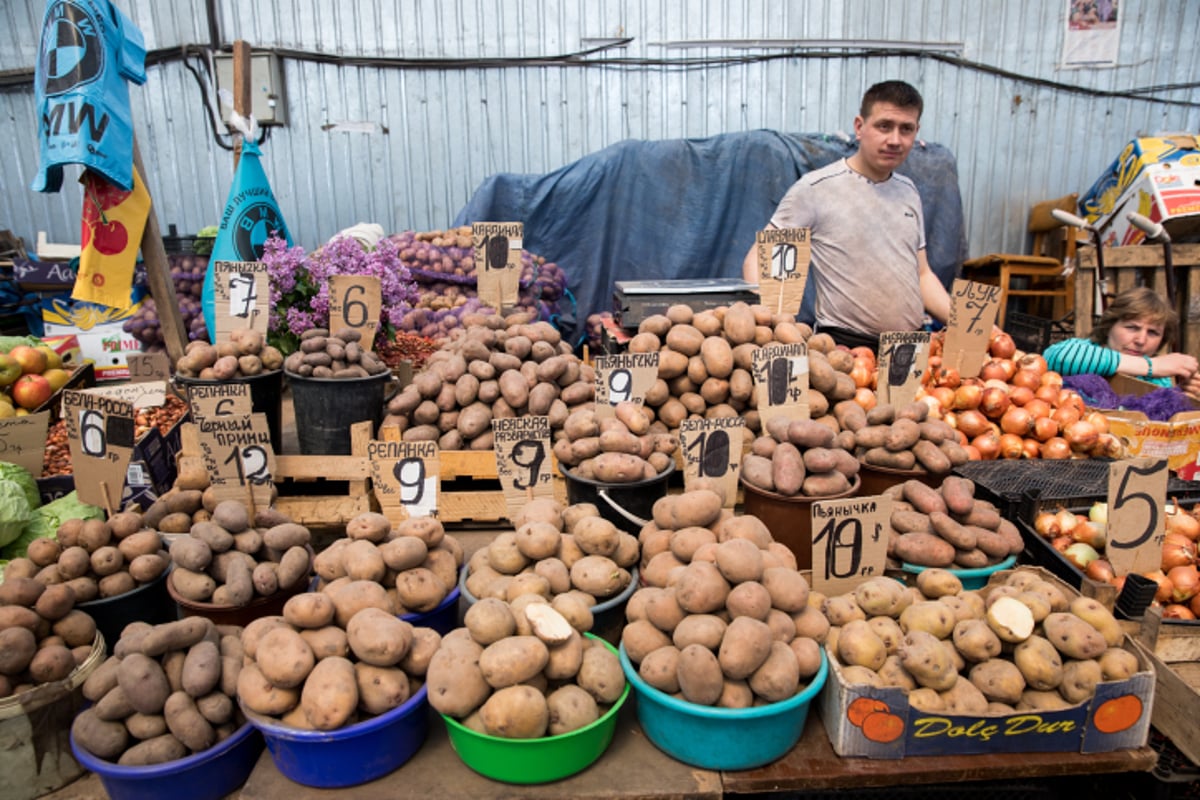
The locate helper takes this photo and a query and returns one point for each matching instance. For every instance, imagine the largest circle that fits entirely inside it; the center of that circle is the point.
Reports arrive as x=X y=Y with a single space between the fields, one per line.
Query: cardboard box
x=99 y=331
x=1176 y=439
x=1158 y=178
x=936 y=734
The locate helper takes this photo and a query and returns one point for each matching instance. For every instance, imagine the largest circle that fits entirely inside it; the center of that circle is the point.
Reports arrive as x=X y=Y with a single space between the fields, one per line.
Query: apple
x=6 y=411
x=53 y=359
x=10 y=369
x=31 y=390
x=58 y=378
x=31 y=359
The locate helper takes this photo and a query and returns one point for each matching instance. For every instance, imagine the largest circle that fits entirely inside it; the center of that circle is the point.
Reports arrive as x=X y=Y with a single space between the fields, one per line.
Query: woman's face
x=1136 y=337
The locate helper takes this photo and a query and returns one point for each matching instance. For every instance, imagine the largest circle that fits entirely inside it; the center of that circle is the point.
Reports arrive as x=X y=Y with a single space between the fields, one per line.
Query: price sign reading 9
x=620 y=386
x=529 y=455
x=410 y=475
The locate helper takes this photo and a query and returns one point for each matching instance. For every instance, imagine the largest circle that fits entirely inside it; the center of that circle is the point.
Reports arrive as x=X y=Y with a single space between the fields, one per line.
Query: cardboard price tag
x=238 y=456
x=242 y=297
x=849 y=541
x=406 y=477
x=219 y=399
x=147 y=394
x=1137 y=494
x=903 y=360
x=144 y=367
x=624 y=377
x=973 y=309
x=100 y=434
x=783 y=258
x=23 y=441
x=498 y=261
x=355 y=302
x=780 y=374
x=712 y=448
x=523 y=462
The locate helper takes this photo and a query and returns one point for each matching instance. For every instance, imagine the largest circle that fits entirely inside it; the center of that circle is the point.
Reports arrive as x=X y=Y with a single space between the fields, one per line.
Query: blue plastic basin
x=721 y=738
x=970 y=578
x=210 y=775
x=351 y=755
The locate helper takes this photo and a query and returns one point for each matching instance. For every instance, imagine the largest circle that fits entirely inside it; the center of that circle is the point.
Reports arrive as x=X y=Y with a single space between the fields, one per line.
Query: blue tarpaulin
x=688 y=208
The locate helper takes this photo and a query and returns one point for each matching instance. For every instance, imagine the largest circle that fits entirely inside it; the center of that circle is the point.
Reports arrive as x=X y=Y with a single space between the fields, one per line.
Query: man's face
x=886 y=137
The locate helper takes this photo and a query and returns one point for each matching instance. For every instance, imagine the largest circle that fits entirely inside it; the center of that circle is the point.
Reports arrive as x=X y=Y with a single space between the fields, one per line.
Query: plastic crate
x=1034 y=334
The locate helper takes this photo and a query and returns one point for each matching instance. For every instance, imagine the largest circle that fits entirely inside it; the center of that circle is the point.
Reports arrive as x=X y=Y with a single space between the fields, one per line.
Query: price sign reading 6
x=843 y=540
x=528 y=454
x=620 y=386
x=410 y=474
x=354 y=311
x=1137 y=491
x=711 y=451
x=91 y=433
x=251 y=464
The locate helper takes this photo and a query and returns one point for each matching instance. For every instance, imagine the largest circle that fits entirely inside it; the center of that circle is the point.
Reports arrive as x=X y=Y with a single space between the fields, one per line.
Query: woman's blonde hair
x=1140 y=302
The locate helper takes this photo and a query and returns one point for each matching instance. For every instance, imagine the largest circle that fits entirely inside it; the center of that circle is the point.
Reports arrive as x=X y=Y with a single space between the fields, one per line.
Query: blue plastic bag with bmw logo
x=251 y=216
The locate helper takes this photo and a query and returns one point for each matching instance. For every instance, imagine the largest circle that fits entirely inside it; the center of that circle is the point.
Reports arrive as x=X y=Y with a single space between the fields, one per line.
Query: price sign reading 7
x=243 y=293
x=1137 y=490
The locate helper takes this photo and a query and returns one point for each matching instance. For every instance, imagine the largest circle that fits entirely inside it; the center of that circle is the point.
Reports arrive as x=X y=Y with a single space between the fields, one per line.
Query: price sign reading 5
x=252 y=465
x=528 y=454
x=1137 y=490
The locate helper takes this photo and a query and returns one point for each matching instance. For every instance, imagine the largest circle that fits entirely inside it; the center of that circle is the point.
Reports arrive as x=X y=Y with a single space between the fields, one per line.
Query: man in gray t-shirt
x=869 y=269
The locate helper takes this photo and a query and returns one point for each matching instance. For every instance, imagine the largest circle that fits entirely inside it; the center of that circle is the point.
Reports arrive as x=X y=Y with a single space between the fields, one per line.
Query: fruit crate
x=1034 y=334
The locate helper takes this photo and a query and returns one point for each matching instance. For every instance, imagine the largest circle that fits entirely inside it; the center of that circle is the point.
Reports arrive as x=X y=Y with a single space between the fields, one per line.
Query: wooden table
x=633 y=767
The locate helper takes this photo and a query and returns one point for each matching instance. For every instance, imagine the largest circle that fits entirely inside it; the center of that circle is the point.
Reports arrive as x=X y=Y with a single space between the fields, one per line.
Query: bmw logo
x=254 y=225
x=72 y=52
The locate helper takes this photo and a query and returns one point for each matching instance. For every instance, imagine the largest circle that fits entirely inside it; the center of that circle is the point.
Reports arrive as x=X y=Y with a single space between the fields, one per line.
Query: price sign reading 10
x=849 y=541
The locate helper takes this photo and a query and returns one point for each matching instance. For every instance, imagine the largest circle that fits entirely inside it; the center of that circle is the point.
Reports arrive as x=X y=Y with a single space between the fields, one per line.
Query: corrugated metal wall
x=690 y=68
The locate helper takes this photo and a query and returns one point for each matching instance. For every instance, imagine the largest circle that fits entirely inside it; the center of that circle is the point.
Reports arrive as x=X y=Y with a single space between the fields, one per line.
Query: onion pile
x=1016 y=407
x=1081 y=540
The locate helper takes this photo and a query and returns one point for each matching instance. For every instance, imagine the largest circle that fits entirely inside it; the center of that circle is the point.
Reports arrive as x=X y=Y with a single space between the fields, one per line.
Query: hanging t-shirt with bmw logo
x=89 y=49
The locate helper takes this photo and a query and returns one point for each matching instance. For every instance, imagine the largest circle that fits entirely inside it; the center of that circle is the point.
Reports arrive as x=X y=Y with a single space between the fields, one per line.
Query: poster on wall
x=1093 y=34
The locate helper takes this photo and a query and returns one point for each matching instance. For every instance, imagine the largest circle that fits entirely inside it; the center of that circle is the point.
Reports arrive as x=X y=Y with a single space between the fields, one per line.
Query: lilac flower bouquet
x=299 y=285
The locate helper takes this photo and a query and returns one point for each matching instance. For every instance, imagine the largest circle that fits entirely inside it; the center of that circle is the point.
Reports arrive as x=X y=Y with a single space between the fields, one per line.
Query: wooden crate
x=1174 y=650
x=293 y=472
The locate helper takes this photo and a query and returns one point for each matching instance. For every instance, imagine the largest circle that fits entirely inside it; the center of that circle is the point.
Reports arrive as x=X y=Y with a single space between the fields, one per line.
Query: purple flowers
x=299 y=284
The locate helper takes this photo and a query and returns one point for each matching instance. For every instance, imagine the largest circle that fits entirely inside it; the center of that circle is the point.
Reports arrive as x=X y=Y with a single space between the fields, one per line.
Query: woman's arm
x=1083 y=357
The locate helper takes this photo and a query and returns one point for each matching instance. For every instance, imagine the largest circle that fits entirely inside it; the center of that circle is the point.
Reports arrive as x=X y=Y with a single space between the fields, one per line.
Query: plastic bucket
x=351 y=755
x=877 y=480
x=151 y=602
x=326 y=408
x=263 y=606
x=527 y=761
x=789 y=519
x=266 y=397
x=36 y=755
x=208 y=775
x=722 y=738
x=629 y=506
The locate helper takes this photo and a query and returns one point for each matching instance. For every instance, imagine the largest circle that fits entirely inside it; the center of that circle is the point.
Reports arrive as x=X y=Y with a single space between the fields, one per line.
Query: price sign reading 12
x=1137 y=492
x=849 y=541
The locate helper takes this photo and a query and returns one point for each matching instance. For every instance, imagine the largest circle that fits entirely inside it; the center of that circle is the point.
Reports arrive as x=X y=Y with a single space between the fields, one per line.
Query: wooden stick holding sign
x=498 y=248
x=1136 y=529
x=100 y=434
x=783 y=258
x=355 y=302
x=242 y=297
x=973 y=309
x=780 y=373
x=621 y=378
x=849 y=541
x=712 y=450
x=903 y=361
x=523 y=462
x=406 y=477
x=23 y=440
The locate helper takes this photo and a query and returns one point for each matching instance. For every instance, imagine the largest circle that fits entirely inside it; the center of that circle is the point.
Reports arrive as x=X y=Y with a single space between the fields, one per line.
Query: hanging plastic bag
x=251 y=216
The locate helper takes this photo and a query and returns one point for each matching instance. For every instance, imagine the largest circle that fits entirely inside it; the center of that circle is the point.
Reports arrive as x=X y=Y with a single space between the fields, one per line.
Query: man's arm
x=933 y=293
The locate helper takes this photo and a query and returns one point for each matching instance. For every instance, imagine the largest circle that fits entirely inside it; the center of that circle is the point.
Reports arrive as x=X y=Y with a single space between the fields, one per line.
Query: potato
x=330 y=695
x=929 y=615
x=1117 y=664
x=999 y=680
x=144 y=683
x=859 y=644
x=50 y=663
x=455 y=682
x=699 y=675
x=380 y=689
x=187 y=724
x=1073 y=637
x=788 y=588
x=1080 y=679
x=881 y=596
x=102 y=739
x=420 y=589
x=352 y=596
x=641 y=637
x=745 y=645
x=284 y=658
x=516 y=712
x=778 y=678
x=922 y=655
x=570 y=708
x=1092 y=612
x=976 y=640
x=201 y=670
x=513 y=660
x=600 y=674
x=924 y=549
x=1039 y=662
x=379 y=638
x=596 y=536
x=963 y=697
x=599 y=576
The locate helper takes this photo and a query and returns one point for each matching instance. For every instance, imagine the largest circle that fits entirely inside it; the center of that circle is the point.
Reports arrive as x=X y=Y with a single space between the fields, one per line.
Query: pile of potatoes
x=415 y=562
x=706 y=358
x=801 y=457
x=43 y=636
x=718 y=622
x=245 y=354
x=523 y=670
x=554 y=552
x=948 y=526
x=333 y=659
x=1020 y=644
x=227 y=561
x=168 y=691
x=616 y=449
x=95 y=558
x=491 y=369
x=905 y=439
x=333 y=355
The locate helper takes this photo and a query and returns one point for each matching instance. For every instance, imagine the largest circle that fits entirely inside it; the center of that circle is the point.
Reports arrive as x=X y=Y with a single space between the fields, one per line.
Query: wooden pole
x=241 y=89
x=158 y=273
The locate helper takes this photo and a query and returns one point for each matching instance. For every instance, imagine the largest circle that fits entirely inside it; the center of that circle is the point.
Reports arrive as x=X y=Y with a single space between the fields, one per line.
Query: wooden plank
x=320 y=512
x=1177 y=704
x=336 y=468
x=158 y=273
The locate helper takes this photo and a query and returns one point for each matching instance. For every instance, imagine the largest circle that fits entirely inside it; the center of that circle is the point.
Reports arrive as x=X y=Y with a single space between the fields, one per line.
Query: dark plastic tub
x=150 y=602
x=266 y=397
x=789 y=519
x=208 y=775
x=629 y=506
x=326 y=408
